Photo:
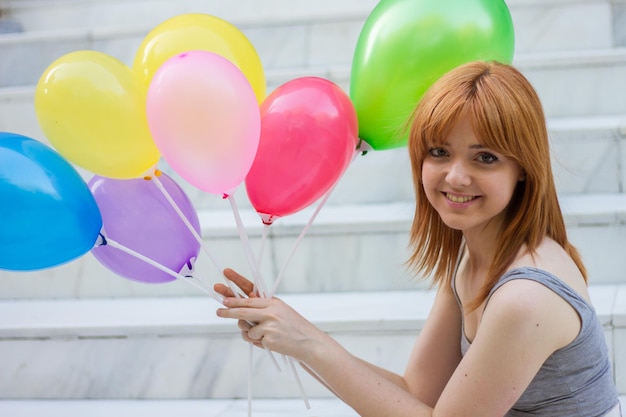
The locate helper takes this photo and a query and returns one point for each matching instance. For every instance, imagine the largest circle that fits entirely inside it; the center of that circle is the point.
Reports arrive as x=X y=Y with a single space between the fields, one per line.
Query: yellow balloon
x=203 y=32
x=92 y=109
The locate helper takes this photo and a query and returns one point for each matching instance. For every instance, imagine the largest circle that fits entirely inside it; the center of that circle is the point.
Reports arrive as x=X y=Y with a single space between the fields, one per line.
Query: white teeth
x=458 y=198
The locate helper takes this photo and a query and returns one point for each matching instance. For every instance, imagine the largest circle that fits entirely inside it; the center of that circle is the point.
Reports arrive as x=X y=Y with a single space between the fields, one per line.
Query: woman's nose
x=458 y=175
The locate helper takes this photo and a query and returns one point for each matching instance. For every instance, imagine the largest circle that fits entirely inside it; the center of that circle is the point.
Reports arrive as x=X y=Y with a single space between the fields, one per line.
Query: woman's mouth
x=459 y=199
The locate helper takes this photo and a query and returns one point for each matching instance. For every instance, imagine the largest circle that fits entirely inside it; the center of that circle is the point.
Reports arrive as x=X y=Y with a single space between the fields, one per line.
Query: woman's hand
x=269 y=323
x=272 y=324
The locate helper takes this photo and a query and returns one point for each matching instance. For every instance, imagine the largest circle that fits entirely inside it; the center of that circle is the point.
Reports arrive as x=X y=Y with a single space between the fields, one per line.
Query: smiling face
x=465 y=191
x=468 y=184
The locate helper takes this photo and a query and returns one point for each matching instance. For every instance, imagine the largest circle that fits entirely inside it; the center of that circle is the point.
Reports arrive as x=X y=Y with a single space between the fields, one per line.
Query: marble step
x=347 y=248
x=280 y=407
x=187 y=408
x=320 y=40
x=540 y=26
x=598 y=75
x=176 y=348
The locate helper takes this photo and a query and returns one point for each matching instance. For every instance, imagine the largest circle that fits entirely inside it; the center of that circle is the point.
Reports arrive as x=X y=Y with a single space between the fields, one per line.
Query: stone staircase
x=78 y=332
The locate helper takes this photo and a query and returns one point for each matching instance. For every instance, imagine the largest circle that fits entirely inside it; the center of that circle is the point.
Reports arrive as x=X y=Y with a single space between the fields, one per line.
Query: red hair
x=506 y=113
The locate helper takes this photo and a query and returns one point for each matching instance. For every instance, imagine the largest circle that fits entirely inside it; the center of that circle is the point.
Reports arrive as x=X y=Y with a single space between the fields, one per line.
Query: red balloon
x=309 y=134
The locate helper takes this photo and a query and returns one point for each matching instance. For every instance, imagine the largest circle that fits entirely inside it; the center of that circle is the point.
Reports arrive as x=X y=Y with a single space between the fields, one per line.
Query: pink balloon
x=309 y=133
x=205 y=120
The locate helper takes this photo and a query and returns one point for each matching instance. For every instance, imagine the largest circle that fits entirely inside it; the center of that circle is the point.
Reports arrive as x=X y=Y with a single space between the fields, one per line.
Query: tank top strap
x=550 y=281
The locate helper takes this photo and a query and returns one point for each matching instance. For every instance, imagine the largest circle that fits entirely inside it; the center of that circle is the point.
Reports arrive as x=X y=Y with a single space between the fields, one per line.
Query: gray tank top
x=576 y=380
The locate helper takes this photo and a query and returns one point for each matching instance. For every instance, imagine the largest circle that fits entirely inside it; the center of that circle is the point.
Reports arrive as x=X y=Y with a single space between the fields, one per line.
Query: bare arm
x=437 y=351
x=386 y=374
x=247 y=288
x=517 y=333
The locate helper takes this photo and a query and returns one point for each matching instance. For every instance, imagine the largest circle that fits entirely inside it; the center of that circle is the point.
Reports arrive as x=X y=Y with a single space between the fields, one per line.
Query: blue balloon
x=48 y=215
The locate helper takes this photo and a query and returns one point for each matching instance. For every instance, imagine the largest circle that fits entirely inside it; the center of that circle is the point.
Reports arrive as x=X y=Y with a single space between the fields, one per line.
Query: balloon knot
x=225 y=196
x=363 y=147
x=102 y=241
x=268 y=219
x=157 y=173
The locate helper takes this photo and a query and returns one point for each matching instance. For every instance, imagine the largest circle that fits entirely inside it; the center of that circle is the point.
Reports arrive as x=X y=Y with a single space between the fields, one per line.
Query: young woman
x=512 y=331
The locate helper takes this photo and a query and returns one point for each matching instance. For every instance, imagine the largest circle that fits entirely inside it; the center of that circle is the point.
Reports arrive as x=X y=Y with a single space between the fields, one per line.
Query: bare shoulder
x=530 y=308
x=552 y=258
x=523 y=323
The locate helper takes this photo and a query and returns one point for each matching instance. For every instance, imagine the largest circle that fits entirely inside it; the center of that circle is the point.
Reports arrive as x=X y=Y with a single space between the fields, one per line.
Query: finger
x=256 y=333
x=242 y=309
x=242 y=282
x=248 y=303
x=244 y=325
x=256 y=342
x=223 y=290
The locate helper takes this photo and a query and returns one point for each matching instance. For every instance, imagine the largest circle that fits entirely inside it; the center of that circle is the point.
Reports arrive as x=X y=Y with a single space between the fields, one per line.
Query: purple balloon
x=138 y=216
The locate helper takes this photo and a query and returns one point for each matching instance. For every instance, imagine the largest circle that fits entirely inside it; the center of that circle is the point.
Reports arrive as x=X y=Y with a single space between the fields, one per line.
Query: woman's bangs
x=489 y=121
x=441 y=121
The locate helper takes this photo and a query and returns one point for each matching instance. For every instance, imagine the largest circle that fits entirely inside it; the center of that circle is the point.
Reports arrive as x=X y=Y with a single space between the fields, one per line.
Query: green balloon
x=406 y=45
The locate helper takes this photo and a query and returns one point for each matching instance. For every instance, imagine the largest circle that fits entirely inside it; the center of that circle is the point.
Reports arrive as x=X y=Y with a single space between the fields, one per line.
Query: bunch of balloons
x=195 y=97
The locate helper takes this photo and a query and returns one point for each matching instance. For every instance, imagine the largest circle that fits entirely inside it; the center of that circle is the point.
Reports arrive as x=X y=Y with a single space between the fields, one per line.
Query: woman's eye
x=437 y=152
x=487 y=158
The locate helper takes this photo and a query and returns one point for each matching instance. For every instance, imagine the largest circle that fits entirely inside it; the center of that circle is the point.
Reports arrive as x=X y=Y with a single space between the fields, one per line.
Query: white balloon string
x=273 y=358
x=266 y=228
x=285 y=361
x=258 y=280
x=269 y=352
x=288 y=360
x=256 y=274
x=182 y=216
x=190 y=280
x=193 y=231
x=294 y=371
x=297 y=244
x=250 y=376
x=304 y=231
x=232 y=286
x=260 y=285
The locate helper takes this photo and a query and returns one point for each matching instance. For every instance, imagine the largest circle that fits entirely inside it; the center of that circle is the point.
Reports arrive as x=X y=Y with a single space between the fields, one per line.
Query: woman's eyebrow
x=477 y=146
x=472 y=146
